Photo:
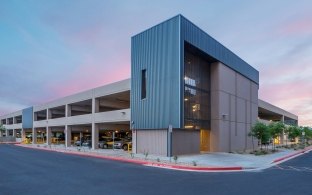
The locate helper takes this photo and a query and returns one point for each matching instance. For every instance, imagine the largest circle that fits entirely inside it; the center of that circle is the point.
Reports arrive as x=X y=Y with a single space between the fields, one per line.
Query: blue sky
x=50 y=49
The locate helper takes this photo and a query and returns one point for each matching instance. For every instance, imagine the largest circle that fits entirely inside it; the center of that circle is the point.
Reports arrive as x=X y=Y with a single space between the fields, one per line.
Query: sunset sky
x=50 y=49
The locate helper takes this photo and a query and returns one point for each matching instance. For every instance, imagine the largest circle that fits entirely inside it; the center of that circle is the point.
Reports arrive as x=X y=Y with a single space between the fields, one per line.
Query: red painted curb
x=181 y=167
x=288 y=156
x=292 y=155
x=142 y=162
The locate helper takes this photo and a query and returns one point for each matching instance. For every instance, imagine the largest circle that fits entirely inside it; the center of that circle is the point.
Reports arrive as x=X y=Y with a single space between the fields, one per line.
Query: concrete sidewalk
x=199 y=162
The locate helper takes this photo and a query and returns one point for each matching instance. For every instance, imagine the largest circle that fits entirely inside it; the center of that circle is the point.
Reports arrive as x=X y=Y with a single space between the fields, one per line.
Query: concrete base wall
x=185 y=142
x=7 y=139
x=151 y=141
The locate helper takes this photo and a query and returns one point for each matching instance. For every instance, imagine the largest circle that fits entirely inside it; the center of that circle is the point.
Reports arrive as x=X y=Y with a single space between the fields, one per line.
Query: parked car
x=103 y=142
x=87 y=143
x=83 y=139
x=119 y=143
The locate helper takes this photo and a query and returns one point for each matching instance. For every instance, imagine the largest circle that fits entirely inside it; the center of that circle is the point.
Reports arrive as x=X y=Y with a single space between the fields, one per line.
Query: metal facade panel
x=27 y=117
x=200 y=39
x=158 y=51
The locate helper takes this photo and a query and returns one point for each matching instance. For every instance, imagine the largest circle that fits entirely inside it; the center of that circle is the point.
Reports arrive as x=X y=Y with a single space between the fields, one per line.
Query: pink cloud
x=295 y=97
x=91 y=75
x=301 y=25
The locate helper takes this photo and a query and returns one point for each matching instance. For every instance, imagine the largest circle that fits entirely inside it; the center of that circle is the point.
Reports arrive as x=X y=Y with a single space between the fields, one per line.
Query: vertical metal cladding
x=197 y=37
x=156 y=50
x=27 y=118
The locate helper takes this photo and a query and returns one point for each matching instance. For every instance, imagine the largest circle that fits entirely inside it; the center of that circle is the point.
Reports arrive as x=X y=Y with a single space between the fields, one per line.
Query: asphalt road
x=29 y=171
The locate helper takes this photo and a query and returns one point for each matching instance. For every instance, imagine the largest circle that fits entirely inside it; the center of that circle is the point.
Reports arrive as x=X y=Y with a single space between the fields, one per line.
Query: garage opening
x=115 y=136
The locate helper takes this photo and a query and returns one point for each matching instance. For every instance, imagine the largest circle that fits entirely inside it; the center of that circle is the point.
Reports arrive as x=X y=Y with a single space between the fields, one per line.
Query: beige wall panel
x=227 y=79
x=232 y=134
x=214 y=102
x=185 y=142
x=214 y=76
x=233 y=108
x=152 y=141
x=254 y=92
x=224 y=136
x=224 y=105
x=214 y=136
x=238 y=140
x=243 y=87
x=241 y=110
x=248 y=112
x=254 y=113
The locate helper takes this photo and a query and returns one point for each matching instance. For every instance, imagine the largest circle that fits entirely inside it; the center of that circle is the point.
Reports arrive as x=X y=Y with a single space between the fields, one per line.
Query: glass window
x=143 y=84
x=196 y=90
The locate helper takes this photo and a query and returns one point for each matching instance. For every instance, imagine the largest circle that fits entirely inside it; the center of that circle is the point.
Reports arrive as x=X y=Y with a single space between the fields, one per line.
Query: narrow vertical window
x=143 y=84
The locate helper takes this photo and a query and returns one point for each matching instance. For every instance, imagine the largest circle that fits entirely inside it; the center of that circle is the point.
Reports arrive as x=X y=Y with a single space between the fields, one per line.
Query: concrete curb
x=146 y=163
x=9 y=142
x=291 y=156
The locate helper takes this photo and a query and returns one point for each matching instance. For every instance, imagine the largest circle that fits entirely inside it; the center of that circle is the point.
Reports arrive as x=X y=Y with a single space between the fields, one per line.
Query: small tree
x=276 y=130
x=260 y=131
x=2 y=128
x=307 y=133
x=293 y=132
x=286 y=131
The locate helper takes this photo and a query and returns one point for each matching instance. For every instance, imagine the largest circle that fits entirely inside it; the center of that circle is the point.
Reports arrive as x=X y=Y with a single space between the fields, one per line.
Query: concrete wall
x=152 y=141
x=185 y=142
x=7 y=139
x=234 y=100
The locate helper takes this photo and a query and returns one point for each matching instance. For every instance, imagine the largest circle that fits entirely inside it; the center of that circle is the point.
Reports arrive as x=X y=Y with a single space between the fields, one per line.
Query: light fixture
x=188 y=126
x=185 y=99
x=224 y=116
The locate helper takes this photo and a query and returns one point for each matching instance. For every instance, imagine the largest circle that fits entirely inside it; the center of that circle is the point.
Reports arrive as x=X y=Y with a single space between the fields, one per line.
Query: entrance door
x=204 y=140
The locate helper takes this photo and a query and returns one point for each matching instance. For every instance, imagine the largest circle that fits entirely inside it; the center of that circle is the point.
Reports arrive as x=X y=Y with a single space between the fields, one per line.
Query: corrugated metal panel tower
x=160 y=51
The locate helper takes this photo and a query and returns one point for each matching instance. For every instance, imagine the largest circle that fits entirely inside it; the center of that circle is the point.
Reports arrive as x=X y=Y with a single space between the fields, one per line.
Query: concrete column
x=49 y=114
x=67 y=136
x=95 y=105
x=34 y=136
x=95 y=136
x=35 y=116
x=6 y=133
x=23 y=135
x=49 y=135
x=14 y=132
x=68 y=110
